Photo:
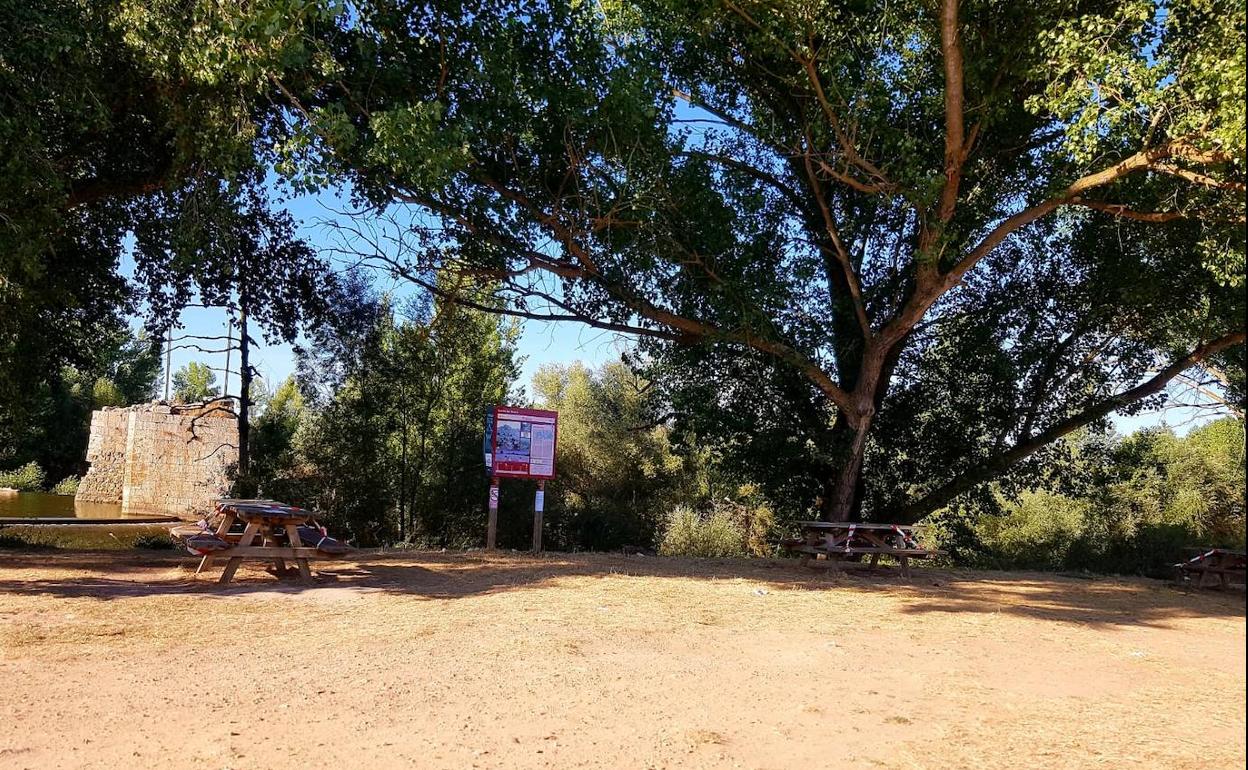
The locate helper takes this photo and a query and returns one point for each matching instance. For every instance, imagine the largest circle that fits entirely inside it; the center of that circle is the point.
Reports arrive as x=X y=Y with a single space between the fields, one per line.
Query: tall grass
x=685 y=533
x=731 y=527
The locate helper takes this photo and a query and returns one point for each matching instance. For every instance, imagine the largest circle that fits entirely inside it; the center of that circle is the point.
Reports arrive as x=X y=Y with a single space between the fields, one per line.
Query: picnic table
x=1212 y=561
x=271 y=531
x=836 y=540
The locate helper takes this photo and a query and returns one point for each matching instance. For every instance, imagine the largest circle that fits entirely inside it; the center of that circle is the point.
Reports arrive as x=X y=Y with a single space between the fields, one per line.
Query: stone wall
x=106 y=451
x=161 y=458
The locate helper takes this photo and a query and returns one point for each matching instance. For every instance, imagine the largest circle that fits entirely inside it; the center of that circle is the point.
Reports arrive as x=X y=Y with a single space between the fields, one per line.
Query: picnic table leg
x=231 y=566
x=905 y=566
x=292 y=534
x=875 y=559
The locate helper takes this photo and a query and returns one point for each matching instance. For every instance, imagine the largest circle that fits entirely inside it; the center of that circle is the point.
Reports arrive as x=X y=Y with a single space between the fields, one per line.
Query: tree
x=1122 y=504
x=812 y=187
x=195 y=383
x=273 y=436
x=390 y=444
x=440 y=368
x=618 y=472
x=230 y=248
x=49 y=422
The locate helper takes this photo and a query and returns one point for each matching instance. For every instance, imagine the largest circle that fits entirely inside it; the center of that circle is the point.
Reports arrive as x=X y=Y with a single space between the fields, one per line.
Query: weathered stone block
x=160 y=457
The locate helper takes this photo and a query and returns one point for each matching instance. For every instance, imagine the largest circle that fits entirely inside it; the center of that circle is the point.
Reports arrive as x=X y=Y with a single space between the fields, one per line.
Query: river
x=26 y=505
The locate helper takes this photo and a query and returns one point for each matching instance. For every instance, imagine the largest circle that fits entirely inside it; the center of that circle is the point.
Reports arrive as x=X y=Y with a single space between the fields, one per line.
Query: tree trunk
x=844 y=489
x=403 y=478
x=842 y=498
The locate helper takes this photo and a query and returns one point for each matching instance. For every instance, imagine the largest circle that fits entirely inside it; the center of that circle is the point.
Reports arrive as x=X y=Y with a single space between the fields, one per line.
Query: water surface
x=27 y=505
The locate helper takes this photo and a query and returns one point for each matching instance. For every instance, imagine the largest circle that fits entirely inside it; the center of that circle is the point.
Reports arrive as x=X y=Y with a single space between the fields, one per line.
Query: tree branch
x=955 y=130
x=994 y=466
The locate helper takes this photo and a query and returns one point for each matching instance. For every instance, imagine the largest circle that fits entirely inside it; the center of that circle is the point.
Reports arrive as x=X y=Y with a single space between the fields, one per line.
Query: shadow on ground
x=108 y=575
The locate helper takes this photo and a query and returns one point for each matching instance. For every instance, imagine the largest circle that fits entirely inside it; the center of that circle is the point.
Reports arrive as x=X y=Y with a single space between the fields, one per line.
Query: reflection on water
x=32 y=504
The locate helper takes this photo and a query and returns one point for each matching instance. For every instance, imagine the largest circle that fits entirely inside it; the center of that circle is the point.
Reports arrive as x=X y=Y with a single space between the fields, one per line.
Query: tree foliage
x=388 y=442
x=49 y=422
x=1127 y=505
x=195 y=383
x=112 y=146
x=617 y=472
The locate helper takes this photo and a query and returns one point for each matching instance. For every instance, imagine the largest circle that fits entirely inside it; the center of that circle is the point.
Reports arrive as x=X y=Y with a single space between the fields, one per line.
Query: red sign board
x=522 y=443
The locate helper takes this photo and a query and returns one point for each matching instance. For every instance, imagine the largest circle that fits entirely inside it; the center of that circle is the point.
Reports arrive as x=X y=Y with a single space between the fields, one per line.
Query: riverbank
x=83 y=537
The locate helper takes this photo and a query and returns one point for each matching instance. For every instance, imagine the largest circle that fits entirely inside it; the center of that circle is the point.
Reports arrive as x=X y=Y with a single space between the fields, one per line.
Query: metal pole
x=168 y=358
x=229 y=348
x=491 y=529
x=539 y=503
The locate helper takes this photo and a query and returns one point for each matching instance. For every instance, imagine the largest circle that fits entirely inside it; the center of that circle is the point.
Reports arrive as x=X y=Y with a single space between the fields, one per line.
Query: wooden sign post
x=519 y=444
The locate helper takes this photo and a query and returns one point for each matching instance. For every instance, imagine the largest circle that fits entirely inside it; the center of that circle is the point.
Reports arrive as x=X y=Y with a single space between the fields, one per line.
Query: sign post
x=519 y=444
x=491 y=527
x=539 y=502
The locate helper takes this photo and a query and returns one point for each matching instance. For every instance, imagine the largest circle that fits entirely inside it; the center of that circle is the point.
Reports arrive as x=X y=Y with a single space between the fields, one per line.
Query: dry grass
x=472 y=660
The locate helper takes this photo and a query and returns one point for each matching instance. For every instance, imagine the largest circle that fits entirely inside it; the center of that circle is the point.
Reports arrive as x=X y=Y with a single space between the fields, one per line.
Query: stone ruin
x=161 y=457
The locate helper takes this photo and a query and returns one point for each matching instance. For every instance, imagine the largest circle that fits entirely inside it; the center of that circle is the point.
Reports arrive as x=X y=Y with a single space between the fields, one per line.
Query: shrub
x=1037 y=533
x=66 y=486
x=685 y=533
x=155 y=542
x=28 y=478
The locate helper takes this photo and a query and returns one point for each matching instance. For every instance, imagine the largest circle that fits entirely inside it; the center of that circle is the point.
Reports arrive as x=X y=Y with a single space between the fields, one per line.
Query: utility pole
x=168 y=358
x=244 y=388
x=229 y=348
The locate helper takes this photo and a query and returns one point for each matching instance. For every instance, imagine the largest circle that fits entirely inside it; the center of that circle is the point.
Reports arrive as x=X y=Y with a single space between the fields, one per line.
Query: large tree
x=818 y=191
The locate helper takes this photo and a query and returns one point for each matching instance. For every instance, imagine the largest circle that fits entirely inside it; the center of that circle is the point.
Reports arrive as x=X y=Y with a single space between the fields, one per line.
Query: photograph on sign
x=523 y=442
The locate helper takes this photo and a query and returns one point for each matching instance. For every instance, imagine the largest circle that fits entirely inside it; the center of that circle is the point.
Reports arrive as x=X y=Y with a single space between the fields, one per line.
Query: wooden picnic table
x=1212 y=561
x=837 y=540
x=270 y=532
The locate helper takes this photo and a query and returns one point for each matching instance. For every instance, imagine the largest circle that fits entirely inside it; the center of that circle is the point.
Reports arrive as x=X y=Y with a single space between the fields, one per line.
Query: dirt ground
x=431 y=660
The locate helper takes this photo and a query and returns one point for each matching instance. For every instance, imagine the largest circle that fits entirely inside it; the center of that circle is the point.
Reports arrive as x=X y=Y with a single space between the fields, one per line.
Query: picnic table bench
x=836 y=540
x=271 y=531
x=1212 y=561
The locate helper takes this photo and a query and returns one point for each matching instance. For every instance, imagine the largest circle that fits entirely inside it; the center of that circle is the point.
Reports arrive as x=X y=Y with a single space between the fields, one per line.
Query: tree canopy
x=195 y=383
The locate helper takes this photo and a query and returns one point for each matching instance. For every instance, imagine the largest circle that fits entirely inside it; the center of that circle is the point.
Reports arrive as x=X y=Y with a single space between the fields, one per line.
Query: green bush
x=1037 y=533
x=28 y=478
x=1136 y=509
x=685 y=533
x=66 y=486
